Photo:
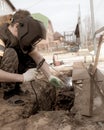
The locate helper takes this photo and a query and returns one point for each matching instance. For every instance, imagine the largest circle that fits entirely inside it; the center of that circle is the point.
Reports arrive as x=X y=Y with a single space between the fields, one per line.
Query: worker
x=18 y=55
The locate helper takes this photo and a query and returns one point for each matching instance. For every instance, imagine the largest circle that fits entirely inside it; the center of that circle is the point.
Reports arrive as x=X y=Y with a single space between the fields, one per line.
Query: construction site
x=78 y=105
x=76 y=59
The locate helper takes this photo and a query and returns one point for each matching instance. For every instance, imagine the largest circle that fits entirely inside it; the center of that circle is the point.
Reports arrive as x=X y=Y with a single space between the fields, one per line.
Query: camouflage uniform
x=15 y=58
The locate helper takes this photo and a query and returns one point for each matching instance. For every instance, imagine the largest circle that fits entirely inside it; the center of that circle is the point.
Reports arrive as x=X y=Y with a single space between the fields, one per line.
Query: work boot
x=8 y=93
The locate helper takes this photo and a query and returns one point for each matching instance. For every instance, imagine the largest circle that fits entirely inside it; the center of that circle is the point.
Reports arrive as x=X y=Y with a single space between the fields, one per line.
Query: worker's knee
x=10 y=52
x=9 y=60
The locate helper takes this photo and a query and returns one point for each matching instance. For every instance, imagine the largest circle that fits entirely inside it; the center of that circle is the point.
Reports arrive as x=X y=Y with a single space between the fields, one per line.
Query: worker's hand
x=55 y=81
x=30 y=74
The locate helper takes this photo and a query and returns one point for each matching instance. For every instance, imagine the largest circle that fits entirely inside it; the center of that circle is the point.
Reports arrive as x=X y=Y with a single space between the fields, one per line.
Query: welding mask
x=30 y=32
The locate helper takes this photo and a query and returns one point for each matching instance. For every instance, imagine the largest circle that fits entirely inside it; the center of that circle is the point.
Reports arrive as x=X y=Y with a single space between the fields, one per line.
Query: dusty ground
x=62 y=117
x=55 y=110
x=13 y=117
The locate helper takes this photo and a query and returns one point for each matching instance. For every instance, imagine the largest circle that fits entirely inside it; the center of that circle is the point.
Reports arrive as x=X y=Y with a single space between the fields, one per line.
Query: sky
x=62 y=13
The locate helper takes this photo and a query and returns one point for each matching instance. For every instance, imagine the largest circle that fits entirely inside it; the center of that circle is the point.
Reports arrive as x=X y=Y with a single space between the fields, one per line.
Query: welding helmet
x=30 y=32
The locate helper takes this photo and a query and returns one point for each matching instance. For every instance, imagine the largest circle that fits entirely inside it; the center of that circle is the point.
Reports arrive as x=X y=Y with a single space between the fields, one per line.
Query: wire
x=34 y=93
x=35 y=3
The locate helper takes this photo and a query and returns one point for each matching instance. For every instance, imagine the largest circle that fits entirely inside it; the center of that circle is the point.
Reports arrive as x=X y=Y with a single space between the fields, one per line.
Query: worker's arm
x=10 y=77
x=37 y=57
x=29 y=75
x=55 y=81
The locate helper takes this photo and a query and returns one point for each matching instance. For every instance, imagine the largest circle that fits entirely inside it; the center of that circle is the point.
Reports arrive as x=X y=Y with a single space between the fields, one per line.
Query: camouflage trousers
x=9 y=63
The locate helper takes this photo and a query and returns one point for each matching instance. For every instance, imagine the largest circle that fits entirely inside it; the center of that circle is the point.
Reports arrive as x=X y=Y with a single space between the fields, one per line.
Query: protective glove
x=55 y=81
x=30 y=74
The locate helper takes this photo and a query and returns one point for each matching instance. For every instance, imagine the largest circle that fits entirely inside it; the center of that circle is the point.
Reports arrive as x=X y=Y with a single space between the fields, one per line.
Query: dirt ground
x=60 y=116
x=53 y=112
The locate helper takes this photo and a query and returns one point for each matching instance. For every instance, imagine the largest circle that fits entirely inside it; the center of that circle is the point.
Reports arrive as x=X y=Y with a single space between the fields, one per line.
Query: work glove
x=55 y=81
x=30 y=74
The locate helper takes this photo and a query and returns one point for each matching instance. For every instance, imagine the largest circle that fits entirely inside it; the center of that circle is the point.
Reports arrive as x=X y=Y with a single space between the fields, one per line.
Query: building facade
x=6 y=7
x=6 y=10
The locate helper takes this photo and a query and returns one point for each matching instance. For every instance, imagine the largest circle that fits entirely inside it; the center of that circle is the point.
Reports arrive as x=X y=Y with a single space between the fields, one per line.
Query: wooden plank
x=78 y=65
x=99 y=75
x=98 y=102
x=99 y=81
x=83 y=102
x=79 y=71
x=98 y=94
x=97 y=55
x=87 y=98
x=83 y=99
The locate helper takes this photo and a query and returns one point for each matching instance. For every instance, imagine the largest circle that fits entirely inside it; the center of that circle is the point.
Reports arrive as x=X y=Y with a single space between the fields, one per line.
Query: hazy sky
x=62 y=13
